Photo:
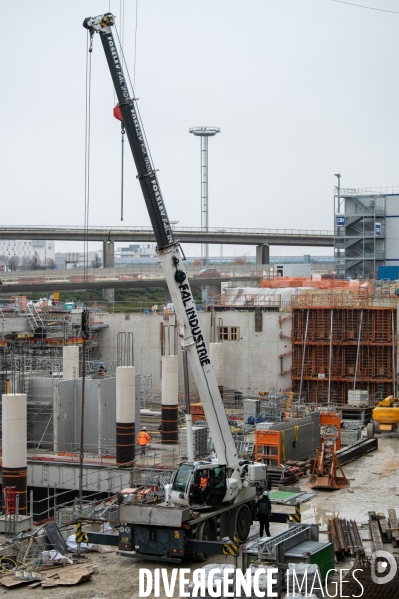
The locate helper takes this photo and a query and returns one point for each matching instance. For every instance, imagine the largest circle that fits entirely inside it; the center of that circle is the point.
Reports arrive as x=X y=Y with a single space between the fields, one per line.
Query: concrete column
x=138 y=401
x=170 y=429
x=14 y=470
x=125 y=415
x=108 y=262
x=262 y=255
x=70 y=361
x=216 y=357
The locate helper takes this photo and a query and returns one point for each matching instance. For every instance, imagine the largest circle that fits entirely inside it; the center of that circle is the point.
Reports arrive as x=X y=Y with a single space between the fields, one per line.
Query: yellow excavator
x=385 y=417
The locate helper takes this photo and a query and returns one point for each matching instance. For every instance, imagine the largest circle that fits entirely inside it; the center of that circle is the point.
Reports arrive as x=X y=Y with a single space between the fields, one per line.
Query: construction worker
x=143 y=438
x=264 y=508
x=203 y=485
x=101 y=370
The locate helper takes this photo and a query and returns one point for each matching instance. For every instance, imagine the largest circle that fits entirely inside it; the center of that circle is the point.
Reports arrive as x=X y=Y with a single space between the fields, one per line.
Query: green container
x=310 y=552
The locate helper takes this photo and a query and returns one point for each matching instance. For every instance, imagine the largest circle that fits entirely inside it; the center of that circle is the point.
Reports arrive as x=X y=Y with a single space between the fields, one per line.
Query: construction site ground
x=374 y=486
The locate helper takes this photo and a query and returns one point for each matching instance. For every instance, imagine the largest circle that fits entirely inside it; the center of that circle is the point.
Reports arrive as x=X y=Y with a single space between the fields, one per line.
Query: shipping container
x=388 y=272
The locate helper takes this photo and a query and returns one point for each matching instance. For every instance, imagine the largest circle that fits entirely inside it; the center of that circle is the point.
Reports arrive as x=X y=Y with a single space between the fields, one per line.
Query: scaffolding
x=343 y=346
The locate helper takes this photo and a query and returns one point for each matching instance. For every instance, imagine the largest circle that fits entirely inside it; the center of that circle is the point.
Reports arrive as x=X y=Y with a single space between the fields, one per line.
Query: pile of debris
x=45 y=559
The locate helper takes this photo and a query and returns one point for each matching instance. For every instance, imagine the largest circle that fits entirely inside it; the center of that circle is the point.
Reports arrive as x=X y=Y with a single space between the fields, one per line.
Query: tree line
x=33 y=262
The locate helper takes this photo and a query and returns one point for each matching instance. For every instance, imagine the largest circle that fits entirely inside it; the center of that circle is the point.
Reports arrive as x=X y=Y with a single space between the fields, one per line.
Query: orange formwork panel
x=268 y=447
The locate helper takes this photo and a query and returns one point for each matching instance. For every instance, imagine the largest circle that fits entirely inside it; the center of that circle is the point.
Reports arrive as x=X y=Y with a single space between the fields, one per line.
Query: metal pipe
x=189 y=419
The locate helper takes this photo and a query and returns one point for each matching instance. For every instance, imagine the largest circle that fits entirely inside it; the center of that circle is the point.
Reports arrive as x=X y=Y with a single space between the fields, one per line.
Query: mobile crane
x=192 y=511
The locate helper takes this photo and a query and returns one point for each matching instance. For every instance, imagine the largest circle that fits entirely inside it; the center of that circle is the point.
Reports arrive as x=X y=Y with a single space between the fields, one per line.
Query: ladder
x=34 y=319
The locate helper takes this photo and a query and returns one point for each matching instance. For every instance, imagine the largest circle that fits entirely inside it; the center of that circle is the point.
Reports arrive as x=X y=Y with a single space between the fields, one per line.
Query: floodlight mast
x=169 y=253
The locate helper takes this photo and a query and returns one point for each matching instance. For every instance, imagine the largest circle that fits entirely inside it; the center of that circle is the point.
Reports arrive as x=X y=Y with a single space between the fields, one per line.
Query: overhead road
x=289 y=237
x=103 y=279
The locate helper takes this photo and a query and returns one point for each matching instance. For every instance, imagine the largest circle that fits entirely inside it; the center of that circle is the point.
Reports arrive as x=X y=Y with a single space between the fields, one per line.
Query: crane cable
x=89 y=49
x=121 y=44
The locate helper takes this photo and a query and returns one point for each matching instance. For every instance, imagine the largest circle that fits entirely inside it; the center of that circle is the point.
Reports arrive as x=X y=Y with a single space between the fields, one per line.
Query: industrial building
x=25 y=249
x=365 y=231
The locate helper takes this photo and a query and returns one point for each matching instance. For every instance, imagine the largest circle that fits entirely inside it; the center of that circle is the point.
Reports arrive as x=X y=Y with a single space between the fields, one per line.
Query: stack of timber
x=344 y=535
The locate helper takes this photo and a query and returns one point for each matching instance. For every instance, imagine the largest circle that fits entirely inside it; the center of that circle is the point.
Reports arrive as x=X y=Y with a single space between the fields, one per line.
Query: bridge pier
x=262 y=255
x=108 y=262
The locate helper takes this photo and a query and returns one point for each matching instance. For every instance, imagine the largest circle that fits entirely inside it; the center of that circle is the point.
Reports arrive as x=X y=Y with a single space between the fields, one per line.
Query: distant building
x=67 y=260
x=25 y=249
x=127 y=256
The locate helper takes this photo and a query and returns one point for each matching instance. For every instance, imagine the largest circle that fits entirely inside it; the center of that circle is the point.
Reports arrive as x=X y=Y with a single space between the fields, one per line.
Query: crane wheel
x=243 y=522
x=370 y=430
x=204 y=533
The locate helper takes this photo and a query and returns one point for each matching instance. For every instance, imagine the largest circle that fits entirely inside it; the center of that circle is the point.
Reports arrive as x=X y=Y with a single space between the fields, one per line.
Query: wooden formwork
x=338 y=347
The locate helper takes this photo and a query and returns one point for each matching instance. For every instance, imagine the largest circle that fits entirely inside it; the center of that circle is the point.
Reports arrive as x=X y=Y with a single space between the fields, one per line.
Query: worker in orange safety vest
x=203 y=485
x=143 y=438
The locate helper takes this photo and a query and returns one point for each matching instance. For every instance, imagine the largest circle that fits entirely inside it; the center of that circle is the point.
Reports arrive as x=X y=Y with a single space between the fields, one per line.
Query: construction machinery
x=210 y=499
x=385 y=417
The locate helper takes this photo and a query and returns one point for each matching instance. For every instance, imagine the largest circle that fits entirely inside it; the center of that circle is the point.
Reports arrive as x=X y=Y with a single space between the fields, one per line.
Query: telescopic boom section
x=145 y=170
x=169 y=253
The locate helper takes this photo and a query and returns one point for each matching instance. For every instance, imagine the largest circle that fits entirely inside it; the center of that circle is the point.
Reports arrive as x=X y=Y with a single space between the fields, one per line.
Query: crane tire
x=370 y=430
x=243 y=521
x=204 y=533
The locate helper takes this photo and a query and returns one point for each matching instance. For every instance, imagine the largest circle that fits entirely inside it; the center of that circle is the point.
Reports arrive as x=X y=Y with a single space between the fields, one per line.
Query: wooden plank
x=11 y=581
x=393 y=523
x=341 y=536
x=333 y=536
x=385 y=530
x=376 y=535
x=348 y=536
x=356 y=534
x=69 y=577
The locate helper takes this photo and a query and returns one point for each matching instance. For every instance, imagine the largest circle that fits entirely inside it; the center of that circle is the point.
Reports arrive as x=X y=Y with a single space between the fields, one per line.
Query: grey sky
x=301 y=89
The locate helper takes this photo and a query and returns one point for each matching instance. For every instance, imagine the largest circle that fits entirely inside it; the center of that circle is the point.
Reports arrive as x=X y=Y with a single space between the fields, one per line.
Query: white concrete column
x=216 y=357
x=14 y=445
x=70 y=361
x=170 y=424
x=125 y=415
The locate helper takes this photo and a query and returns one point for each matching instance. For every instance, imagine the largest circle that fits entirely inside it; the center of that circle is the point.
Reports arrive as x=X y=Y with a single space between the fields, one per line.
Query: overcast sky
x=301 y=89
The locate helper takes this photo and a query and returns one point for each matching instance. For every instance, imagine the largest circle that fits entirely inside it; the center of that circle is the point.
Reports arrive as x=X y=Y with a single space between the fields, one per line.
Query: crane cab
x=200 y=485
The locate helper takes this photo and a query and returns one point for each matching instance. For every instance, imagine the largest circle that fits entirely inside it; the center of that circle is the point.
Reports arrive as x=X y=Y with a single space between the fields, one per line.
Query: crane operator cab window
x=182 y=477
x=209 y=486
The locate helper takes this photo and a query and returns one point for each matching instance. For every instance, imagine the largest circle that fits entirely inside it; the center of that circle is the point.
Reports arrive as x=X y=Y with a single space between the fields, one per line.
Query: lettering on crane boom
x=194 y=325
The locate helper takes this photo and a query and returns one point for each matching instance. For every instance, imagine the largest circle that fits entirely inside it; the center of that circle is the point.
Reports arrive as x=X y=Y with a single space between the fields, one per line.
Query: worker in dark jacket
x=264 y=508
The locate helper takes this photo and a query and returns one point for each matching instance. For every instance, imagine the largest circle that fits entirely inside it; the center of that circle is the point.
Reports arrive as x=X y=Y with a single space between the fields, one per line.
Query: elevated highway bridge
x=289 y=237
x=109 y=278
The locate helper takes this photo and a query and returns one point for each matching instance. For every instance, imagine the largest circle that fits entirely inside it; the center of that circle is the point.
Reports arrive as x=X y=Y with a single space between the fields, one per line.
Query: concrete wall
x=308 y=436
x=100 y=415
x=250 y=364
